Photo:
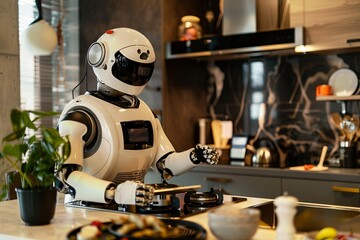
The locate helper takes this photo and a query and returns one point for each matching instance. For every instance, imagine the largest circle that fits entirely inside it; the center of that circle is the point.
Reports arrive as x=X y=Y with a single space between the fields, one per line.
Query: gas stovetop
x=170 y=201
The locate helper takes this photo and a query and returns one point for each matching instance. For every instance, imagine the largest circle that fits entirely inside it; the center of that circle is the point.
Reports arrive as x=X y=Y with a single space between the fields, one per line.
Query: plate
x=314 y=169
x=105 y=235
x=347 y=236
x=344 y=82
x=187 y=230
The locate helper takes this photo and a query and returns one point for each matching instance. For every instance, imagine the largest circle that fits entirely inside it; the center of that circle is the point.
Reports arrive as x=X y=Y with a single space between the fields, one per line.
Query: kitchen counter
x=332 y=174
x=69 y=218
x=335 y=186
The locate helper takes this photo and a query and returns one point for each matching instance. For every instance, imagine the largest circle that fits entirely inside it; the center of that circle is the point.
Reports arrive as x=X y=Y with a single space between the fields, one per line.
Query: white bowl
x=228 y=222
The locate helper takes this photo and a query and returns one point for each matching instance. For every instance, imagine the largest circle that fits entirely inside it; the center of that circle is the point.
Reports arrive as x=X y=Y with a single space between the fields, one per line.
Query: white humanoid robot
x=115 y=138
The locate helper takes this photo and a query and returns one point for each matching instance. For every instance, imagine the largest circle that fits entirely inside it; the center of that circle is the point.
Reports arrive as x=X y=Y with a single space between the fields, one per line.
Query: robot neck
x=108 y=92
x=115 y=97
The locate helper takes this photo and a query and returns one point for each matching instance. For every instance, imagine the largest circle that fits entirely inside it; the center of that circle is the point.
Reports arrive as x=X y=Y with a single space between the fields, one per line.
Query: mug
x=323 y=90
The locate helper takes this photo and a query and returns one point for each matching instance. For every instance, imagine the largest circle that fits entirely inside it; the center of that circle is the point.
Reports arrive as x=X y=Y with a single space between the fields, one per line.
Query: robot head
x=122 y=59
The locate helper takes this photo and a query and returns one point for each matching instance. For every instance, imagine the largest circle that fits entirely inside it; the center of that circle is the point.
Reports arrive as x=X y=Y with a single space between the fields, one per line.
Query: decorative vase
x=37 y=206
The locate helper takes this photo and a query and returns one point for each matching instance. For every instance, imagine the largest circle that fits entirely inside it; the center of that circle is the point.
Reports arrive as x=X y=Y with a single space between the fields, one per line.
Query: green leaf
x=43 y=151
x=15 y=150
x=26 y=121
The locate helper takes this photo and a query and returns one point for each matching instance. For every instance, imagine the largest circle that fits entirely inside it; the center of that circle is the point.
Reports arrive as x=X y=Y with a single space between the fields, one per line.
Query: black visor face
x=130 y=72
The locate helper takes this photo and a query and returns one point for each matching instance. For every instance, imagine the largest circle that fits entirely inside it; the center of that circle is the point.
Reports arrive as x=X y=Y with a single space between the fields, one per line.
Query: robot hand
x=203 y=153
x=131 y=192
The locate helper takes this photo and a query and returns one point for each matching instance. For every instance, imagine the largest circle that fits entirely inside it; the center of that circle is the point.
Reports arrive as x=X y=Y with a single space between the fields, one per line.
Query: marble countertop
x=68 y=218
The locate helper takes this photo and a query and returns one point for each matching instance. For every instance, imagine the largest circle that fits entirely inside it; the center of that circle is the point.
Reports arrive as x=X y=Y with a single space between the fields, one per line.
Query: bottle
x=189 y=28
x=285 y=212
x=347 y=155
x=209 y=25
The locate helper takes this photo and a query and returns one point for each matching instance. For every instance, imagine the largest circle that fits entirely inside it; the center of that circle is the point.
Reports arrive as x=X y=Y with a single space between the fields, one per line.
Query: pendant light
x=39 y=38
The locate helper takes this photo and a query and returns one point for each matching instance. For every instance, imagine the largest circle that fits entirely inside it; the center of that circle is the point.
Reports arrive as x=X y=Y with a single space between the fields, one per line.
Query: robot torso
x=123 y=142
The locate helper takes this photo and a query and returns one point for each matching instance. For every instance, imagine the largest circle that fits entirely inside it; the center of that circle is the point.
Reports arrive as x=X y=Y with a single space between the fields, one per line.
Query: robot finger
x=149 y=188
x=140 y=193
x=213 y=159
x=145 y=187
x=141 y=201
x=142 y=186
x=149 y=195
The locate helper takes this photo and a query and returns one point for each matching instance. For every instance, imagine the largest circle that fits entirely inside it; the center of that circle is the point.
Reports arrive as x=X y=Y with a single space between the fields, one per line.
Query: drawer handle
x=354 y=40
x=219 y=180
x=345 y=189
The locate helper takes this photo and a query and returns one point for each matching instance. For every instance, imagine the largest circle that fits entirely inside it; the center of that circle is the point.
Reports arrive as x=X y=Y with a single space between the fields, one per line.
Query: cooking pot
x=200 y=201
x=263 y=154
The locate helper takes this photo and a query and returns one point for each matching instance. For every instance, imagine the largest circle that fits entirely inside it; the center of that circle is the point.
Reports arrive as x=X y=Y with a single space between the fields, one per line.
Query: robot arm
x=170 y=163
x=79 y=184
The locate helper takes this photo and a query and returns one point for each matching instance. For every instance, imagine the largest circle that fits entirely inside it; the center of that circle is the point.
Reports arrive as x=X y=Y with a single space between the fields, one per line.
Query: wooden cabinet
x=325 y=192
x=328 y=24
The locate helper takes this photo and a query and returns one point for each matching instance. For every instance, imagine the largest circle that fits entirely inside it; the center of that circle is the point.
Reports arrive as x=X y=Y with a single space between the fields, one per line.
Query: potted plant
x=36 y=152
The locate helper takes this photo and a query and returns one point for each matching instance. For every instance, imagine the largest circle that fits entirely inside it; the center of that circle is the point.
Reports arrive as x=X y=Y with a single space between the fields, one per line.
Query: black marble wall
x=273 y=98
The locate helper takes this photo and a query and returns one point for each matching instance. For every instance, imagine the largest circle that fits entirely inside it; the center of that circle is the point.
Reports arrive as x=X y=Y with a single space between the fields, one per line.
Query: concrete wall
x=9 y=69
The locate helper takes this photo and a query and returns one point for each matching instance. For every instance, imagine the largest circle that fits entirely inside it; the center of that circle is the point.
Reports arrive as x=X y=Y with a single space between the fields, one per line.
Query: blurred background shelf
x=338 y=98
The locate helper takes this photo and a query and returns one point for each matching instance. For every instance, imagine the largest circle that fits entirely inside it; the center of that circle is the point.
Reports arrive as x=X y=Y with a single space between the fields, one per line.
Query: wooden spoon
x=320 y=166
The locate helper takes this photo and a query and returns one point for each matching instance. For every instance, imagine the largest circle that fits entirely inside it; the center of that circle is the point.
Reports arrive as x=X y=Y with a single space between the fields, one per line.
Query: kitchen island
x=68 y=218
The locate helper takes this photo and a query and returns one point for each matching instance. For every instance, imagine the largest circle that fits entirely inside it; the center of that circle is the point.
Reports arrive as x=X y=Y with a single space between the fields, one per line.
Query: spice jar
x=285 y=212
x=189 y=28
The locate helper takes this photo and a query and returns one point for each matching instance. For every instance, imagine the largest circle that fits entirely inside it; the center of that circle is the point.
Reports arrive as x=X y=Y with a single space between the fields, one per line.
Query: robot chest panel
x=135 y=128
x=133 y=135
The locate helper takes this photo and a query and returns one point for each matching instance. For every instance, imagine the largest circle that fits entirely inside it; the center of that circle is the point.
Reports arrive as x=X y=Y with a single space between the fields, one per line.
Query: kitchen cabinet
x=265 y=187
x=326 y=192
x=328 y=25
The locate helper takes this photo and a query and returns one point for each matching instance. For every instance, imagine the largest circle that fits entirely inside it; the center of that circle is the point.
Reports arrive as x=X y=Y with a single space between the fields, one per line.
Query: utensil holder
x=347 y=155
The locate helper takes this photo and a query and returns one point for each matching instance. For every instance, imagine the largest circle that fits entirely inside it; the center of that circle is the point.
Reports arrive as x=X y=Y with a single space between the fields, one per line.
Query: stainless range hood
x=248 y=43
x=250 y=27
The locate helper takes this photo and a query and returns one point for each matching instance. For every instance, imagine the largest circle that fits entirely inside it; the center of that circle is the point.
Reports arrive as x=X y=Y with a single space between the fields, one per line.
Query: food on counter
x=88 y=232
x=139 y=226
x=326 y=233
x=308 y=166
x=92 y=231
x=330 y=233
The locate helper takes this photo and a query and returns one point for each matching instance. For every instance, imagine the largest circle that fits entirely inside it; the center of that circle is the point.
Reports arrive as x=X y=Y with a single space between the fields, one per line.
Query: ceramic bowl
x=228 y=222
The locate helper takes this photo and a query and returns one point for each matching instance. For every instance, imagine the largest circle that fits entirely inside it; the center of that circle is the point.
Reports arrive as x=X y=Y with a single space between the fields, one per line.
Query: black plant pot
x=37 y=206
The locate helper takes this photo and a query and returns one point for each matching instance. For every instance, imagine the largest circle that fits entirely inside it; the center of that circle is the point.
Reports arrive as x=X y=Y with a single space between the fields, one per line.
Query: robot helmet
x=122 y=59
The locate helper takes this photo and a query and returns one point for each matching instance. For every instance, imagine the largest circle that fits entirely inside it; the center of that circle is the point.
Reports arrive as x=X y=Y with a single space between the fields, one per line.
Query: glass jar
x=189 y=28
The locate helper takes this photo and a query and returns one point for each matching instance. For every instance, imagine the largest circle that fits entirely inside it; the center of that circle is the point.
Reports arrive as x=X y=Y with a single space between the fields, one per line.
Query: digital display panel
x=238 y=147
x=137 y=135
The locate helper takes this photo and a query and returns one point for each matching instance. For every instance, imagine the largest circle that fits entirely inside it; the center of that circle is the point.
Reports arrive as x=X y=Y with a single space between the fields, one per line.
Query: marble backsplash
x=273 y=98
